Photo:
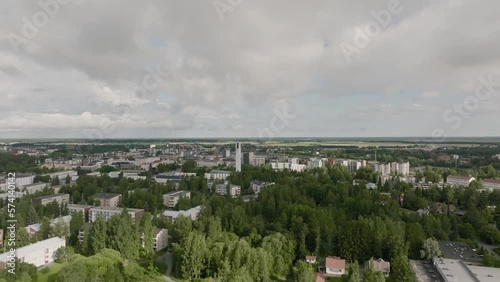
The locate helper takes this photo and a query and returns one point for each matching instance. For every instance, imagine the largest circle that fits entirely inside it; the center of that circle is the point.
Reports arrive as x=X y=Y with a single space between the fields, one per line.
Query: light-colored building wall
x=40 y=254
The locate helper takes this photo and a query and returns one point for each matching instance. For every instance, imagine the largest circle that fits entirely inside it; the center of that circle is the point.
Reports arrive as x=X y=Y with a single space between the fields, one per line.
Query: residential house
x=73 y=208
x=333 y=266
x=191 y=213
x=311 y=259
x=491 y=184
x=256 y=185
x=380 y=265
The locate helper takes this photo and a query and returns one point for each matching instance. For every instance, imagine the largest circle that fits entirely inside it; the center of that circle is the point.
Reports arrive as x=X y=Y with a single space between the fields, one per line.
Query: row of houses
x=336 y=267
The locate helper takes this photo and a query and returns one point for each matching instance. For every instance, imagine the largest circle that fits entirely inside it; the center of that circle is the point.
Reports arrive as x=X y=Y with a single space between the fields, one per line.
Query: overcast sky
x=241 y=68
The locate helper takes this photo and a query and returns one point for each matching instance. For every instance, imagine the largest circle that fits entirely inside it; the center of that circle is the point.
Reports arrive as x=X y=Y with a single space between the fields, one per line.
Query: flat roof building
x=44 y=200
x=170 y=199
x=108 y=212
x=40 y=254
x=108 y=199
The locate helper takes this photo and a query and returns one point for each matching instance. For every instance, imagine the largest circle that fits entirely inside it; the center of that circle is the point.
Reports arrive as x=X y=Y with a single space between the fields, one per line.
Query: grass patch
x=51 y=274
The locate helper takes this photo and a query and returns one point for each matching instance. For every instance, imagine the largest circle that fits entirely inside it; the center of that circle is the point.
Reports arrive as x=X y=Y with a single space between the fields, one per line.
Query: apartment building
x=39 y=254
x=457 y=180
x=171 y=199
x=191 y=213
x=491 y=184
x=223 y=189
x=108 y=199
x=33 y=188
x=24 y=179
x=217 y=174
x=63 y=174
x=257 y=186
x=44 y=200
x=84 y=209
x=108 y=212
x=160 y=239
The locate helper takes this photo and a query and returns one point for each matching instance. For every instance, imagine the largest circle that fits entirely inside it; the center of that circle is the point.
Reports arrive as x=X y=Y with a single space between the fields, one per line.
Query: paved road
x=167 y=259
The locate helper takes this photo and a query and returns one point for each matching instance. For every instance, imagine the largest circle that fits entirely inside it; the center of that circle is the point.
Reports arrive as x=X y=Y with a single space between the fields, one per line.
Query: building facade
x=59 y=198
x=170 y=199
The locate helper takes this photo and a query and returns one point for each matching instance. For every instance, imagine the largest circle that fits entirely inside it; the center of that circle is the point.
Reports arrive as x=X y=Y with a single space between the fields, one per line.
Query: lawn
x=52 y=274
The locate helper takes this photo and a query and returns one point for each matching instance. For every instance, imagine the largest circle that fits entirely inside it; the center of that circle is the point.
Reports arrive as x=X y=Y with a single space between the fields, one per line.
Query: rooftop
x=459 y=177
x=178 y=193
x=456 y=270
x=490 y=180
x=51 y=196
x=106 y=196
x=459 y=250
x=23 y=251
x=335 y=262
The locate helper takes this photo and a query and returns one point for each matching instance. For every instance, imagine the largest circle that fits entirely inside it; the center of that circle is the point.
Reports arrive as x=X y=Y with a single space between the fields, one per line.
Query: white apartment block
x=257 y=186
x=24 y=179
x=108 y=212
x=394 y=167
x=491 y=184
x=257 y=161
x=62 y=175
x=223 y=189
x=160 y=240
x=171 y=199
x=191 y=213
x=217 y=174
x=315 y=163
x=84 y=209
x=35 y=187
x=457 y=180
x=40 y=254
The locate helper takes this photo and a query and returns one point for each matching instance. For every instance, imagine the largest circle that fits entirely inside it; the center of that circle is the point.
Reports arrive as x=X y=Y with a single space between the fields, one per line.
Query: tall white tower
x=238 y=156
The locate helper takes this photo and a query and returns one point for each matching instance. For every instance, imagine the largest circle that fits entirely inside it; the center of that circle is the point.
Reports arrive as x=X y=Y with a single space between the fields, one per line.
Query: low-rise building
x=333 y=266
x=108 y=199
x=311 y=259
x=217 y=174
x=223 y=189
x=39 y=254
x=108 y=212
x=380 y=265
x=257 y=186
x=84 y=209
x=44 y=200
x=33 y=188
x=33 y=229
x=457 y=180
x=24 y=179
x=191 y=213
x=160 y=239
x=171 y=199
x=491 y=184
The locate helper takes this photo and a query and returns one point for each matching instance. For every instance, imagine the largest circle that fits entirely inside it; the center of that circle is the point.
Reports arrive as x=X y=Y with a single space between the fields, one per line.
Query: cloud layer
x=264 y=68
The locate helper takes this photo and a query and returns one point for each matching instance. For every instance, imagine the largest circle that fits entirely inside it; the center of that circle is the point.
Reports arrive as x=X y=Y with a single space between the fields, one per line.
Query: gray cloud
x=227 y=77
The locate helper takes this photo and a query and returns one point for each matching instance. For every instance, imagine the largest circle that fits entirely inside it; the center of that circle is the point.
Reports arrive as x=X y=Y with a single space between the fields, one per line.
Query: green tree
x=373 y=276
x=194 y=253
x=430 y=249
x=60 y=229
x=354 y=272
x=148 y=234
x=401 y=270
x=98 y=237
x=45 y=229
x=303 y=272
